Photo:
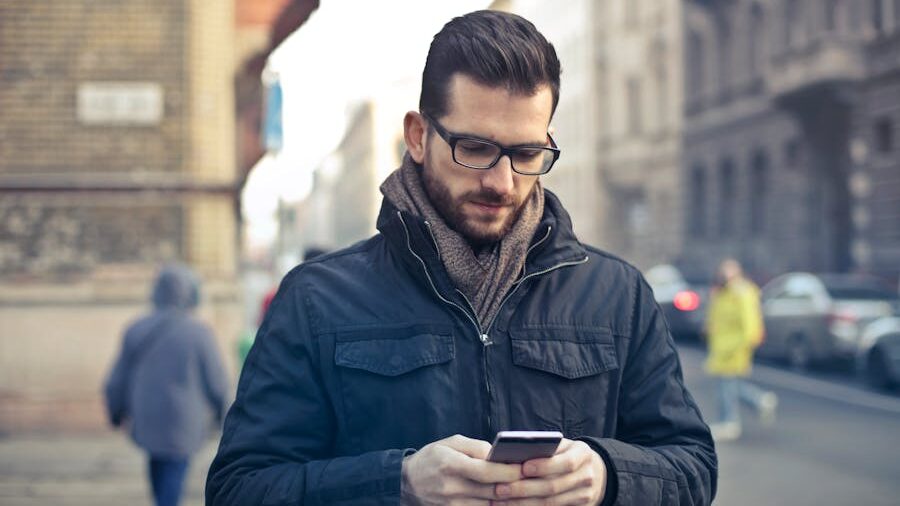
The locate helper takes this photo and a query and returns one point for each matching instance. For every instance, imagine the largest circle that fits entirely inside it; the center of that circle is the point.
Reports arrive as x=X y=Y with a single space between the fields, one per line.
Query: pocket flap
x=393 y=357
x=568 y=359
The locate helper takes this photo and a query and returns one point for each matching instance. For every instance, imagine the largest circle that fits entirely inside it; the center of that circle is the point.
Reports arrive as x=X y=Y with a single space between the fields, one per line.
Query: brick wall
x=88 y=211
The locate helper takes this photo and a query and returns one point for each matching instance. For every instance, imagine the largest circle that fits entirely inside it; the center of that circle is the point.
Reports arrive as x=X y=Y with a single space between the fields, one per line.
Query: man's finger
x=543 y=487
x=572 y=458
x=474 y=448
x=482 y=471
x=576 y=497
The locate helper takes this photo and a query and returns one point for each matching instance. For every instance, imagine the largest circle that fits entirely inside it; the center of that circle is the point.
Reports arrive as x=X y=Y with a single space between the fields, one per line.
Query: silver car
x=812 y=318
x=878 y=358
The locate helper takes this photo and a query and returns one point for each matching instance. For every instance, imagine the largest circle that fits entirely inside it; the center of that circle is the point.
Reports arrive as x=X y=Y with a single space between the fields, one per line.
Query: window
x=877 y=15
x=726 y=198
x=884 y=135
x=632 y=9
x=792 y=154
x=791 y=22
x=831 y=15
x=758 y=193
x=697 y=204
x=662 y=97
x=635 y=125
x=696 y=77
x=757 y=39
x=725 y=53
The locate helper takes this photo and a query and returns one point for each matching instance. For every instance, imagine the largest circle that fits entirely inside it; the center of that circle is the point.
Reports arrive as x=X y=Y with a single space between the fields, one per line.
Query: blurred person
x=168 y=383
x=734 y=330
x=382 y=370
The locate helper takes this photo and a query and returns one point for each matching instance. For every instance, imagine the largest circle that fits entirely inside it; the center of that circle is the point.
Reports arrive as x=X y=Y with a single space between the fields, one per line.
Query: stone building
x=618 y=121
x=789 y=155
x=639 y=90
x=116 y=155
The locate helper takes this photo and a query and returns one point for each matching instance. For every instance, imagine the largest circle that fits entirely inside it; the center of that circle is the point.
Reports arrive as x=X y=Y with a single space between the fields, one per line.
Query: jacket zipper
x=484 y=336
x=431 y=282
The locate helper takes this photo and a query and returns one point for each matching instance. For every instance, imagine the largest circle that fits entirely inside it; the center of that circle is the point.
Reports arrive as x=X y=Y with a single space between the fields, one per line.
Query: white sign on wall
x=120 y=103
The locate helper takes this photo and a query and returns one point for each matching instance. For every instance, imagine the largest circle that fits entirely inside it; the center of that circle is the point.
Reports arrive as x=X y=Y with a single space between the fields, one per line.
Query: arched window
x=759 y=174
x=757 y=38
x=727 y=195
x=697 y=203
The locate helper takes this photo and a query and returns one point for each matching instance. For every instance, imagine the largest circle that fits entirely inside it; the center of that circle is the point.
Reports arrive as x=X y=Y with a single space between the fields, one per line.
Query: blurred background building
x=117 y=154
x=790 y=155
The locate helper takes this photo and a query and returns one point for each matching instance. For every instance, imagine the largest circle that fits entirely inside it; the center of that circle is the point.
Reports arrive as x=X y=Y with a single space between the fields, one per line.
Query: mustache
x=491 y=197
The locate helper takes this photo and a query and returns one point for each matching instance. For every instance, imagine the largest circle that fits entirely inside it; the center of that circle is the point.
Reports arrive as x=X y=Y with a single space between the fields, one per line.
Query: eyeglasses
x=482 y=154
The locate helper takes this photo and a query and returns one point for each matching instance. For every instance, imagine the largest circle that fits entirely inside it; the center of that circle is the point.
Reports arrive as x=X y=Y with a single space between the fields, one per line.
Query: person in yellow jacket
x=734 y=328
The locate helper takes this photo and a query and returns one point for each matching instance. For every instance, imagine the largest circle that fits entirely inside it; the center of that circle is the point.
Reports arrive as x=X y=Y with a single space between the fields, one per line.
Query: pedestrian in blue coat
x=168 y=383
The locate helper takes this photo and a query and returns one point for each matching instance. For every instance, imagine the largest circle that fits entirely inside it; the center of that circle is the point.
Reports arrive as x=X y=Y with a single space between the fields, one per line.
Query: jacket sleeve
x=662 y=452
x=115 y=389
x=214 y=377
x=278 y=434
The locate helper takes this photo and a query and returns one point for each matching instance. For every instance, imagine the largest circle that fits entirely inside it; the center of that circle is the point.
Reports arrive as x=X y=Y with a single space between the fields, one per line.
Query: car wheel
x=877 y=369
x=798 y=353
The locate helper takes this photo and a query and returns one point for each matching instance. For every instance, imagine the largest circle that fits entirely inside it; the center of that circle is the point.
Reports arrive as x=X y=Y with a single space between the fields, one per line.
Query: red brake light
x=686 y=301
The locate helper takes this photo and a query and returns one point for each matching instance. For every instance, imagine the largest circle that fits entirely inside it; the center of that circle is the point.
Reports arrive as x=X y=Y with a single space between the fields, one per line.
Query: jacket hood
x=176 y=287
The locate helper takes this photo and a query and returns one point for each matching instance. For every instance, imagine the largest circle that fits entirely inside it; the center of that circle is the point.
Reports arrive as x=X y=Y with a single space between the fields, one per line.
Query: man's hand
x=576 y=474
x=454 y=471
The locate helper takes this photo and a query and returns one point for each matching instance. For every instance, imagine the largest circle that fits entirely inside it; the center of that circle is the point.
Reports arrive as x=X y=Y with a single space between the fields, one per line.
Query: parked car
x=683 y=300
x=812 y=318
x=878 y=356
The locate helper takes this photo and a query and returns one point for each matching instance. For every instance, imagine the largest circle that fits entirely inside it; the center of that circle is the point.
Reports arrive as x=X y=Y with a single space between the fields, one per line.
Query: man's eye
x=473 y=147
x=528 y=153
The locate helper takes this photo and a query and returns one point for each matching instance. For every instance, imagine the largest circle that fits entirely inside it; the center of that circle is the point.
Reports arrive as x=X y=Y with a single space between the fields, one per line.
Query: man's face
x=483 y=205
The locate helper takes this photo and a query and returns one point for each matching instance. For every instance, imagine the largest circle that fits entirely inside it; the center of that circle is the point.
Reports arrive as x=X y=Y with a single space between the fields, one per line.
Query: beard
x=478 y=232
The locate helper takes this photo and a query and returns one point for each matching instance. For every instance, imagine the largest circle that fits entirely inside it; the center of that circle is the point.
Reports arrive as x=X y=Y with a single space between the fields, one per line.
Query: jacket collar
x=554 y=242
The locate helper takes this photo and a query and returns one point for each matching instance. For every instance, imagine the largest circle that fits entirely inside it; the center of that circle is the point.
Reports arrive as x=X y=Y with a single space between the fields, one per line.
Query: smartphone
x=515 y=447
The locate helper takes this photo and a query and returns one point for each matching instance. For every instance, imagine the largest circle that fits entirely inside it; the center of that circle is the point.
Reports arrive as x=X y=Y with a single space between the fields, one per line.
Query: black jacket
x=370 y=353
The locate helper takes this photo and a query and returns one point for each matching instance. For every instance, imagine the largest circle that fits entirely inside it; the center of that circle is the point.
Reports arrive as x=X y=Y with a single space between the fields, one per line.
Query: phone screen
x=514 y=447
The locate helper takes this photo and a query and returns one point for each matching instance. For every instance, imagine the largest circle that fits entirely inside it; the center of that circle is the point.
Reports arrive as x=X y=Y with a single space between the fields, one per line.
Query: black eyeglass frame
x=451 y=139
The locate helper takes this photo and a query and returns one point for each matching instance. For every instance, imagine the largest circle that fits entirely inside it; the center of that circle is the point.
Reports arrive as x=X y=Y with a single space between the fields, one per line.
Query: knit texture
x=486 y=276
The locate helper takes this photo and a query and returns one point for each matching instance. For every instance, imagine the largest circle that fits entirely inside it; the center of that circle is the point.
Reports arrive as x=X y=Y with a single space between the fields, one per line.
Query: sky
x=346 y=51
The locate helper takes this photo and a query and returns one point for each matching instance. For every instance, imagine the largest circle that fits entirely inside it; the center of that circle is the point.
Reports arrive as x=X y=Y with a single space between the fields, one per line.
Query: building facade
x=116 y=155
x=784 y=99
x=639 y=89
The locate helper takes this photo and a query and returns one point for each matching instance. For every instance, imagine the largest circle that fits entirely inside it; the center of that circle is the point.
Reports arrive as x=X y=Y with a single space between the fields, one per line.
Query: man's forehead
x=483 y=108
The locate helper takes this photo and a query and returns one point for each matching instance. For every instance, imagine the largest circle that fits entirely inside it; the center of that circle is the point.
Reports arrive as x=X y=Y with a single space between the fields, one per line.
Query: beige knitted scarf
x=484 y=277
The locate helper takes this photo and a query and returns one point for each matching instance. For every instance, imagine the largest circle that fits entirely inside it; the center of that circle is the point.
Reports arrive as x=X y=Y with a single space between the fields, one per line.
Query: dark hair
x=493 y=48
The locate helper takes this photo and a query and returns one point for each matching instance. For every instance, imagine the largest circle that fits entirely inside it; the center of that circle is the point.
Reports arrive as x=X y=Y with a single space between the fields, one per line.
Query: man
x=735 y=328
x=382 y=370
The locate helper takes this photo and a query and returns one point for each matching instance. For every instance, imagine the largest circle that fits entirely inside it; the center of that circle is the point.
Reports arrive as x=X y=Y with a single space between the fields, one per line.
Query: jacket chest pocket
x=563 y=380
x=396 y=385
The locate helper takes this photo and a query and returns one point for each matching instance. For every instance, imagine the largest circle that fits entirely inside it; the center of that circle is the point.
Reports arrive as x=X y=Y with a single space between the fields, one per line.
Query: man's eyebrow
x=541 y=143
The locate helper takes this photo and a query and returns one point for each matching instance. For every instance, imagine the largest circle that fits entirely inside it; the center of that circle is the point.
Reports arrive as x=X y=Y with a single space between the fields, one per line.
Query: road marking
x=813 y=387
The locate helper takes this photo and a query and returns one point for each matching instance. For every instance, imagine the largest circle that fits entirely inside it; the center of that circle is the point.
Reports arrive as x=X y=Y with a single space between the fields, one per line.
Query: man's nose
x=499 y=178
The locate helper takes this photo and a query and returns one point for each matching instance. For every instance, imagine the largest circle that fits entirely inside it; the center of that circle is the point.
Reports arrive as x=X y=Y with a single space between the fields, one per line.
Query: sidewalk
x=85 y=470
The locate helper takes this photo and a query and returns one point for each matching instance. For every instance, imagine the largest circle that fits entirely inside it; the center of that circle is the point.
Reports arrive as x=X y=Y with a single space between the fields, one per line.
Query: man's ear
x=415 y=133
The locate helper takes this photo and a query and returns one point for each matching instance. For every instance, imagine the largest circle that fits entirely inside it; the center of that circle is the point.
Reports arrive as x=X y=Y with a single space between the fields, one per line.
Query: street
x=834 y=443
